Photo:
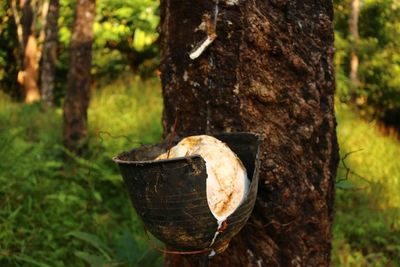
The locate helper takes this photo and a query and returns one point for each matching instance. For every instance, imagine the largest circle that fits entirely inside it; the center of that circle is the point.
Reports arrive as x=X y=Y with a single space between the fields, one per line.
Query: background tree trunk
x=30 y=75
x=269 y=71
x=354 y=36
x=50 y=52
x=10 y=45
x=78 y=87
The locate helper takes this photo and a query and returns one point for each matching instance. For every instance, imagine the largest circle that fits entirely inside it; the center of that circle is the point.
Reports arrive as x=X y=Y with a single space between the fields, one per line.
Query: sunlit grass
x=128 y=108
x=42 y=198
x=367 y=223
x=376 y=157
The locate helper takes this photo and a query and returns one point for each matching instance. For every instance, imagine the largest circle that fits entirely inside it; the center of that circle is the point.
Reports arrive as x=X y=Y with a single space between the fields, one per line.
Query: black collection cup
x=170 y=197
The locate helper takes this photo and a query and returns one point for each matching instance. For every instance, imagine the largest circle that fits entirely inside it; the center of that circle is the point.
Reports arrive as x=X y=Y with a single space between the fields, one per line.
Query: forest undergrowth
x=58 y=209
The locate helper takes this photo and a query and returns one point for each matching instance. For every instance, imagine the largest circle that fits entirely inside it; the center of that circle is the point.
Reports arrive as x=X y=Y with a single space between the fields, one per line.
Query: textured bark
x=269 y=71
x=30 y=75
x=354 y=36
x=50 y=53
x=78 y=86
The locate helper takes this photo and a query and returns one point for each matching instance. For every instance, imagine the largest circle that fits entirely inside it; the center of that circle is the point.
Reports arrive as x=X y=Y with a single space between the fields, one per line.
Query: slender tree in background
x=354 y=36
x=28 y=43
x=9 y=47
x=78 y=87
x=49 y=57
x=269 y=71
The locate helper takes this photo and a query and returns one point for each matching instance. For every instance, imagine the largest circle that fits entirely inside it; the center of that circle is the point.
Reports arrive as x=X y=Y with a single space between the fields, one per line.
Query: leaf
x=128 y=249
x=151 y=258
x=79 y=160
x=93 y=260
x=345 y=185
x=139 y=40
x=31 y=261
x=94 y=241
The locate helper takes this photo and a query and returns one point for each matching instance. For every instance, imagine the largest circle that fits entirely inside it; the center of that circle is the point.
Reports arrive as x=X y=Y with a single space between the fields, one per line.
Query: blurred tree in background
x=9 y=58
x=124 y=40
x=79 y=78
x=26 y=17
x=49 y=60
x=354 y=37
x=377 y=93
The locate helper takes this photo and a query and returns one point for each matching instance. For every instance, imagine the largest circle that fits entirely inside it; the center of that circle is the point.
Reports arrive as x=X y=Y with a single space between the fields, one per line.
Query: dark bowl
x=170 y=195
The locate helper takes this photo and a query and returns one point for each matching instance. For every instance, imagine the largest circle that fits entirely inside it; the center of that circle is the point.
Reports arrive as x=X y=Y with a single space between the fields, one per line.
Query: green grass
x=56 y=214
x=367 y=224
x=57 y=209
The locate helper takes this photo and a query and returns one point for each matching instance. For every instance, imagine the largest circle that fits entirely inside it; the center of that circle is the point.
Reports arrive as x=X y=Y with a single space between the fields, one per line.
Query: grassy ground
x=58 y=214
x=367 y=226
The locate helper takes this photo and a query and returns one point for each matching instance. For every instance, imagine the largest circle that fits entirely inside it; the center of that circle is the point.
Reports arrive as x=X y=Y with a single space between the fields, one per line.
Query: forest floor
x=54 y=213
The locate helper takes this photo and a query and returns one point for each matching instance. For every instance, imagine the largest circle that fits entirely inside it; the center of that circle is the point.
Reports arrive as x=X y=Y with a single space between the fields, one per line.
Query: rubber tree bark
x=78 y=86
x=268 y=71
x=50 y=53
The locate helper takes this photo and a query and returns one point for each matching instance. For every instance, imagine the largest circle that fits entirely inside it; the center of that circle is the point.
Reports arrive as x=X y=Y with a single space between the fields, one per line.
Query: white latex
x=227 y=182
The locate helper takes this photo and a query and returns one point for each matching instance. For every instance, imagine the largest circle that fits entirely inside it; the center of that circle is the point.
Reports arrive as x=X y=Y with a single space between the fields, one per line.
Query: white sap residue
x=220 y=222
x=212 y=254
x=227 y=182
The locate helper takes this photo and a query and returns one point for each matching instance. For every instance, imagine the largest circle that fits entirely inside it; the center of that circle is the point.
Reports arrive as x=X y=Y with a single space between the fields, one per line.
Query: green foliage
x=378 y=48
x=124 y=37
x=129 y=250
x=57 y=209
x=119 y=20
x=367 y=222
x=9 y=62
x=341 y=60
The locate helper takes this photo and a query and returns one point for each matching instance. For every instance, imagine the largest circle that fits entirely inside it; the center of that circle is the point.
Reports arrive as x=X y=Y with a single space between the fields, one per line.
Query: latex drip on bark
x=211 y=35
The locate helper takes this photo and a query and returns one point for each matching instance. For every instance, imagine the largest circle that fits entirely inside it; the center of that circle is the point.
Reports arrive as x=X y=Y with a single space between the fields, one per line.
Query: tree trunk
x=30 y=75
x=9 y=45
x=354 y=36
x=18 y=24
x=268 y=71
x=78 y=86
x=50 y=53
